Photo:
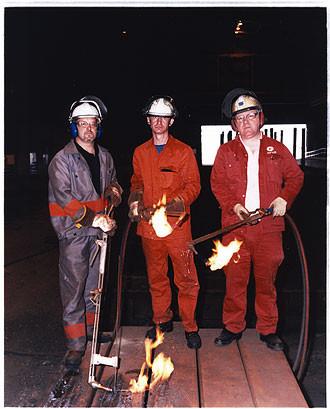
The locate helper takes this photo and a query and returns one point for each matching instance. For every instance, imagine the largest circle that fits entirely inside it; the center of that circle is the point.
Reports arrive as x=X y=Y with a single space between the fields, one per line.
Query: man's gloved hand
x=136 y=211
x=279 y=206
x=135 y=203
x=175 y=207
x=105 y=223
x=113 y=193
x=240 y=211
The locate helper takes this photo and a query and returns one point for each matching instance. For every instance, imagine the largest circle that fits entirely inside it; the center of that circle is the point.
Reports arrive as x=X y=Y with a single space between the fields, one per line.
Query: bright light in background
x=211 y=138
x=239 y=28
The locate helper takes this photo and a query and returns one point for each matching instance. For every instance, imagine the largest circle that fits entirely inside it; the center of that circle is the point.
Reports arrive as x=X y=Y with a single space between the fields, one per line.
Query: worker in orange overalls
x=165 y=165
x=82 y=182
x=250 y=172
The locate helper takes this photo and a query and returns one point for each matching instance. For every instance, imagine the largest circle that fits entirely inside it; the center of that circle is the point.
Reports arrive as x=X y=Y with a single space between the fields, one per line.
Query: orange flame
x=223 y=254
x=162 y=366
x=150 y=345
x=159 y=220
x=142 y=383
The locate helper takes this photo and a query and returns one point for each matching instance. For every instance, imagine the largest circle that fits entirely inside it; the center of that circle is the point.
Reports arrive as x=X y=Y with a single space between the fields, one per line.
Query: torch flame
x=161 y=367
x=149 y=345
x=159 y=220
x=223 y=254
x=142 y=383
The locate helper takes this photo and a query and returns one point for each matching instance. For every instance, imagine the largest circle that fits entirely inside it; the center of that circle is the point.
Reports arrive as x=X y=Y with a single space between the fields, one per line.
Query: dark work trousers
x=77 y=278
x=264 y=250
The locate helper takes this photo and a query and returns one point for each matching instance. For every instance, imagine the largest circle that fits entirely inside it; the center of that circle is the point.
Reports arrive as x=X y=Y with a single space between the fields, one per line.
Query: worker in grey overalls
x=82 y=184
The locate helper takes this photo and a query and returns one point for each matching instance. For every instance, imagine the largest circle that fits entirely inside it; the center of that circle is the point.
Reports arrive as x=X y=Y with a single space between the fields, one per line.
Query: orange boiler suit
x=279 y=175
x=173 y=172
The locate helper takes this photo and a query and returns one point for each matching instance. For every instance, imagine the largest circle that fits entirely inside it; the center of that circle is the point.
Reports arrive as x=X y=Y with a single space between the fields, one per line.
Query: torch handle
x=256 y=215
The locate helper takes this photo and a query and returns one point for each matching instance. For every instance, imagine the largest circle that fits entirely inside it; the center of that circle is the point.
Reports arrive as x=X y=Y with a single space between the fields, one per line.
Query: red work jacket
x=174 y=172
x=279 y=175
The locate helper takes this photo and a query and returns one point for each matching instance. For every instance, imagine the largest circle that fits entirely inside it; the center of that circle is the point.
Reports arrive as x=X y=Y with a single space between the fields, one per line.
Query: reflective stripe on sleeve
x=72 y=207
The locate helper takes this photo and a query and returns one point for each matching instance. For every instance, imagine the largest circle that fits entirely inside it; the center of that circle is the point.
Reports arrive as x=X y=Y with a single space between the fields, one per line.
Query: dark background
x=54 y=56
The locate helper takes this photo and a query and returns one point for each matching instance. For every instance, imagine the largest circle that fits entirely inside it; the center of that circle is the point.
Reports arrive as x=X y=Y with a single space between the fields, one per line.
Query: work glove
x=135 y=203
x=105 y=223
x=113 y=193
x=240 y=211
x=136 y=211
x=279 y=206
x=175 y=207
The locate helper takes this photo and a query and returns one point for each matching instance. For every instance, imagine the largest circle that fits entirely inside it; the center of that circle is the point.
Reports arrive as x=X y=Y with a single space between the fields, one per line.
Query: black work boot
x=273 y=341
x=193 y=340
x=164 y=327
x=227 y=337
x=73 y=360
x=102 y=338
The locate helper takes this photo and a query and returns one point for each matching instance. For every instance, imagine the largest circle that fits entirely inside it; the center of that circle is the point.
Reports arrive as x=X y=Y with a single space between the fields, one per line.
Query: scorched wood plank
x=181 y=390
x=222 y=376
x=271 y=380
x=132 y=356
x=73 y=391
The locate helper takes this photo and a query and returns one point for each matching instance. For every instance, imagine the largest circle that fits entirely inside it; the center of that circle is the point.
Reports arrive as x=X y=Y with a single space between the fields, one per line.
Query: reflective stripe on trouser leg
x=237 y=278
x=186 y=280
x=267 y=257
x=73 y=271
x=156 y=256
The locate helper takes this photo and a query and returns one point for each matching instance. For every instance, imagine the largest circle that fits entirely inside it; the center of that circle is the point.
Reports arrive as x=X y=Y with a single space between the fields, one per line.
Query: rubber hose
x=121 y=264
x=300 y=360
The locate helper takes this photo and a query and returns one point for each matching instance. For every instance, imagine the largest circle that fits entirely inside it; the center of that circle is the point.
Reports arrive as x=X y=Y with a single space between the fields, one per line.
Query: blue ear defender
x=73 y=129
x=99 y=131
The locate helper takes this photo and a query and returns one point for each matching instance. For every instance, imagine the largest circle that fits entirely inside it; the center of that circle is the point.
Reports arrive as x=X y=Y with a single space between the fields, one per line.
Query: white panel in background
x=213 y=135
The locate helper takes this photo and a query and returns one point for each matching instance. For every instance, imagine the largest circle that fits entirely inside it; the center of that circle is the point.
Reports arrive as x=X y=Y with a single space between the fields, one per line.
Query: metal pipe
x=97 y=297
x=254 y=217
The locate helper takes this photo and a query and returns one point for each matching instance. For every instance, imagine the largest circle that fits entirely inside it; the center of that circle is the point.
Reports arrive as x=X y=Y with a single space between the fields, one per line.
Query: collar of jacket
x=238 y=146
x=169 y=143
x=71 y=149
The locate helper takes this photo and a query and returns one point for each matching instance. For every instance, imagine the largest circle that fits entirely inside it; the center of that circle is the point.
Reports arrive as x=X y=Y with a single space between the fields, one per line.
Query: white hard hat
x=161 y=107
x=85 y=110
x=245 y=103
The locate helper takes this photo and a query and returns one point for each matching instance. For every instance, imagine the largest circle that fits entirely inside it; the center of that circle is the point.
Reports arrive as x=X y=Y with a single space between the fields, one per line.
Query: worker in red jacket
x=253 y=171
x=165 y=165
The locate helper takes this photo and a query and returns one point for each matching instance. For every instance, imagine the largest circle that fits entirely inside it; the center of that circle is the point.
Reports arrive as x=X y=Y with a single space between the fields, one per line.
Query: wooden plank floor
x=269 y=374
x=243 y=374
x=246 y=373
x=222 y=374
x=182 y=388
x=131 y=349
